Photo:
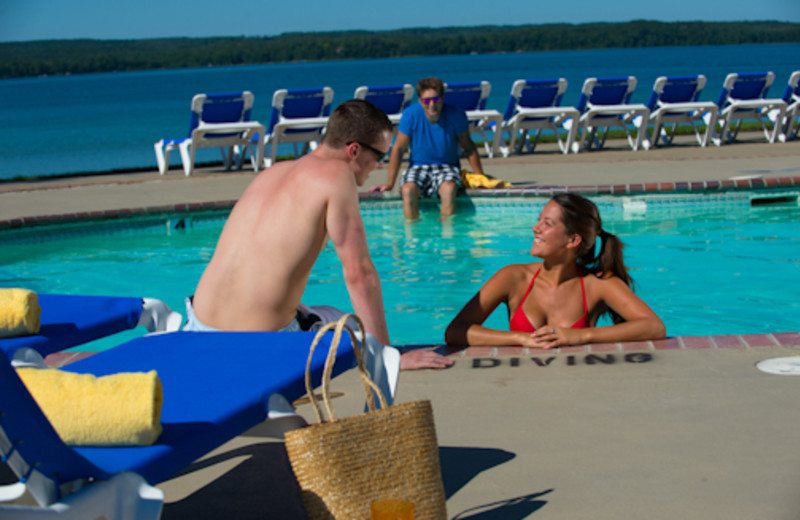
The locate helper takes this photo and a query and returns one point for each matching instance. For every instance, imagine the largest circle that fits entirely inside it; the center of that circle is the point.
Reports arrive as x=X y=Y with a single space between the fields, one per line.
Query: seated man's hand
x=380 y=188
x=423 y=358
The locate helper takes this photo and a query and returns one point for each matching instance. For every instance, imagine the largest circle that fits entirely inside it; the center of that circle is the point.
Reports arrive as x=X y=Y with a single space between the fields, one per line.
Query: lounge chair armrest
x=157 y=317
x=301 y=123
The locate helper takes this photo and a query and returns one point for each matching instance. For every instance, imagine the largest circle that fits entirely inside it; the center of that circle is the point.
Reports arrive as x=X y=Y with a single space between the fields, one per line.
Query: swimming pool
x=721 y=263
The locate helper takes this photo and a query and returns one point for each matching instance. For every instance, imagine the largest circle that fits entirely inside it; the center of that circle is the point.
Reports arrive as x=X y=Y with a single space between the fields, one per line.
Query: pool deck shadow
x=683 y=428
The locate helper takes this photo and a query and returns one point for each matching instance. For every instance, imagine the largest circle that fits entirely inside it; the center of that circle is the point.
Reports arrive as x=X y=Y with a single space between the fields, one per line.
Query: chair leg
x=778 y=132
x=227 y=157
x=792 y=126
x=187 y=157
x=521 y=141
x=669 y=137
x=570 y=144
x=273 y=153
x=711 y=120
x=497 y=135
x=633 y=142
x=600 y=142
x=505 y=148
x=162 y=156
x=534 y=141
x=734 y=133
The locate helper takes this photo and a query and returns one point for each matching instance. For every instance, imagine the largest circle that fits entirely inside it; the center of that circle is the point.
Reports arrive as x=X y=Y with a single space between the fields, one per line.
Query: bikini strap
x=583 y=291
x=530 y=286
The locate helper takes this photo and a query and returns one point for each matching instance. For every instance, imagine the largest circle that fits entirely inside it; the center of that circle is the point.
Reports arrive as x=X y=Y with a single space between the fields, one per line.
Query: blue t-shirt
x=433 y=143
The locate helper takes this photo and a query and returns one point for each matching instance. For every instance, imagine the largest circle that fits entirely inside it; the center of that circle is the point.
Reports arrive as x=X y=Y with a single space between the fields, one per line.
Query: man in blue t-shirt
x=434 y=130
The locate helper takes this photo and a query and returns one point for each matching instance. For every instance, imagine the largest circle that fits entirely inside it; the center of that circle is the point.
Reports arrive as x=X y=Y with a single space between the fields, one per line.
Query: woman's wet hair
x=356 y=120
x=580 y=216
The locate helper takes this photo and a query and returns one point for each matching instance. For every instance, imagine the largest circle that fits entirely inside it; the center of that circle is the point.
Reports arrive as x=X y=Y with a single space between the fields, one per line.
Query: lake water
x=105 y=122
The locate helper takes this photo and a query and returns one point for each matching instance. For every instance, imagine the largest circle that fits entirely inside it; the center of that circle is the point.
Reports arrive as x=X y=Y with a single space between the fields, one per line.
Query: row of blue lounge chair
x=299 y=116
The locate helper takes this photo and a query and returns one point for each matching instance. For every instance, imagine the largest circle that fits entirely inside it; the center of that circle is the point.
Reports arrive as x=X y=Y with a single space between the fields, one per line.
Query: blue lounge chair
x=298 y=116
x=392 y=99
x=216 y=385
x=674 y=101
x=471 y=97
x=70 y=320
x=743 y=97
x=218 y=121
x=534 y=104
x=605 y=103
x=791 y=96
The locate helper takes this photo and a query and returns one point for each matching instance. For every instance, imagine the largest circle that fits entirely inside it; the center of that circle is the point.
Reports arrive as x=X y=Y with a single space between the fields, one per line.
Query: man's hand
x=423 y=358
x=380 y=188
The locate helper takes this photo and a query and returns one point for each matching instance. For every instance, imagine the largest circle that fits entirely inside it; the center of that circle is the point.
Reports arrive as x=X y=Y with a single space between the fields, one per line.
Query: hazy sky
x=22 y=20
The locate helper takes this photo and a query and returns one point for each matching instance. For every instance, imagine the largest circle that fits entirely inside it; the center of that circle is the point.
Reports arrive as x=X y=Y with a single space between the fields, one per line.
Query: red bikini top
x=519 y=322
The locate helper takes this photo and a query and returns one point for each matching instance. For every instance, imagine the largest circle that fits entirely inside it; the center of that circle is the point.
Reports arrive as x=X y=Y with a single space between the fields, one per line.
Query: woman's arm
x=467 y=327
x=641 y=322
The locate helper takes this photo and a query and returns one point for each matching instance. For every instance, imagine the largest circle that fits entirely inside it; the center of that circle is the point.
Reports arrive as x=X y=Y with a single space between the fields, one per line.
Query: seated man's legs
x=430 y=179
x=416 y=180
x=446 y=180
x=410 y=193
x=447 y=193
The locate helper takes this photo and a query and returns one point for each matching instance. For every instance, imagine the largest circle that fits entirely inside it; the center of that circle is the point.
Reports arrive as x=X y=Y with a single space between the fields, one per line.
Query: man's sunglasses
x=379 y=154
x=428 y=101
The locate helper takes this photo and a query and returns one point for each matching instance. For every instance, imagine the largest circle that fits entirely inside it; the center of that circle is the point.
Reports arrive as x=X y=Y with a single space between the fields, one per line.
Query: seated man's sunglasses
x=428 y=101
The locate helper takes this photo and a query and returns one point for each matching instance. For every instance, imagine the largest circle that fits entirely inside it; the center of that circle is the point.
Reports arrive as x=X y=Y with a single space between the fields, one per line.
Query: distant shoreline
x=84 y=56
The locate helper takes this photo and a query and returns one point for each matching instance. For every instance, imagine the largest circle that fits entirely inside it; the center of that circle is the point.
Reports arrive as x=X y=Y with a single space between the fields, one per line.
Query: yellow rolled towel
x=19 y=312
x=478 y=180
x=115 y=410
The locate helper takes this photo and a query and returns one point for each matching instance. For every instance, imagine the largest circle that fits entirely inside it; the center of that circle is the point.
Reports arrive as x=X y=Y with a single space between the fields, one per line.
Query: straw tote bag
x=344 y=465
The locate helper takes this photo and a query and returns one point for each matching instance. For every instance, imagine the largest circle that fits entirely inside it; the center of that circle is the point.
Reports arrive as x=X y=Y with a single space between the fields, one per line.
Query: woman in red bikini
x=573 y=287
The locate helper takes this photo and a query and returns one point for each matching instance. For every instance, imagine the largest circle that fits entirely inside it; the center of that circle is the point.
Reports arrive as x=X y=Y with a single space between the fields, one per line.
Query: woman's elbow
x=455 y=334
x=658 y=330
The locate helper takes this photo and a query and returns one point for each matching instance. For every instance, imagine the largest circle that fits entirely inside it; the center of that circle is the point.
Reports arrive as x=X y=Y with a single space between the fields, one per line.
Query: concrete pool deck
x=613 y=170
x=686 y=428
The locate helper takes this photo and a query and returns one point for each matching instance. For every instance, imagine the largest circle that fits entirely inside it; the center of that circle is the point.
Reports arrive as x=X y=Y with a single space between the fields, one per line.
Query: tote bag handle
x=369 y=386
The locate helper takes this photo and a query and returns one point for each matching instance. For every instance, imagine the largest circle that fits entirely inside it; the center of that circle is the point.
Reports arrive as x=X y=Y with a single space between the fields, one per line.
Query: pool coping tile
x=719 y=342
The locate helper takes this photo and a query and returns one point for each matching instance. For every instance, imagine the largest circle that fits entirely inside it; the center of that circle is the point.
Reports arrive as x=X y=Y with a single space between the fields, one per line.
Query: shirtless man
x=279 y=226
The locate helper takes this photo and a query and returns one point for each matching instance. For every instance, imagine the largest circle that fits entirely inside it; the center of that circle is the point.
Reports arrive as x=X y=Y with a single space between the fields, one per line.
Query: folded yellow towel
x=478 y=180
x=19 y=312
x=116 y=410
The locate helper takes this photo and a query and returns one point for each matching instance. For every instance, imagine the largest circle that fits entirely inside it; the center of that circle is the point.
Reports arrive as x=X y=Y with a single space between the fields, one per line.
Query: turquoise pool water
x=713 y=264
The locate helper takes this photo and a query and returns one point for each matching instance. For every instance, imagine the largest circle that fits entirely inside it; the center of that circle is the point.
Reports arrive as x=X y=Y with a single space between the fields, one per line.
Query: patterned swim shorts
x=430 y=176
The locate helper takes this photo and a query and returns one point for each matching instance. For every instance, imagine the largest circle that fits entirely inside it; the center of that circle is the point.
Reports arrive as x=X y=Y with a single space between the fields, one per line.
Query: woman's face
x=549 y=233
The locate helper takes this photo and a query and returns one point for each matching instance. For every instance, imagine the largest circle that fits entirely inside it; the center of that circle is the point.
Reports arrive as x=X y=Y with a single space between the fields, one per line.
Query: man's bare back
x=265 y=253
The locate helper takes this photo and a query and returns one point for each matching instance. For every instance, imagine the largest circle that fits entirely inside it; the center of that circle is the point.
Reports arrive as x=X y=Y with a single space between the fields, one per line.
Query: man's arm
x=346 y=229
x=471 y=152
x=395 y=159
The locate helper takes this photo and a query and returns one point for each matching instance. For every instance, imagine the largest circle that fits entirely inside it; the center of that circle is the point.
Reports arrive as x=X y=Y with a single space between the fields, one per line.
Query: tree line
x=51 y=57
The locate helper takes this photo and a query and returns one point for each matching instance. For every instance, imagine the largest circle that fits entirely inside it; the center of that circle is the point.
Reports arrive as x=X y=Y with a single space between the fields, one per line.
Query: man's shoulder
x=312 y=172
x=413 y=110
